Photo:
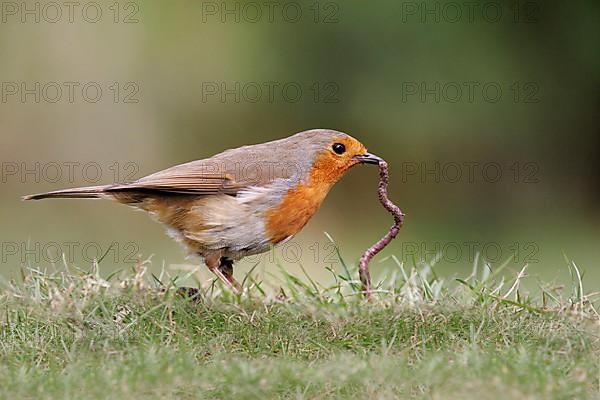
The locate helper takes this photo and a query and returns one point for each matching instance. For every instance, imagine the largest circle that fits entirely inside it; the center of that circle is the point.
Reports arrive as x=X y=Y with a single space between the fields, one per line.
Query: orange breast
x=303 y=201
x=293 y=212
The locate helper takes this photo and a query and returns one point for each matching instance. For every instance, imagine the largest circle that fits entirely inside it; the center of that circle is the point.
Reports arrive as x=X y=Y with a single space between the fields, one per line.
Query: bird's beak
x=367 y=158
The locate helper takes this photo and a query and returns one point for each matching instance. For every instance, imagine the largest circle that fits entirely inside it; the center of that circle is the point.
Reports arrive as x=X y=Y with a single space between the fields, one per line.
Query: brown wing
x=182 y=184
x=217 y=175
x=196 y=177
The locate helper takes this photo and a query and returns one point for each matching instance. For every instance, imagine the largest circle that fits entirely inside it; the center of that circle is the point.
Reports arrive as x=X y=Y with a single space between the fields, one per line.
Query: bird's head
x=334 y=153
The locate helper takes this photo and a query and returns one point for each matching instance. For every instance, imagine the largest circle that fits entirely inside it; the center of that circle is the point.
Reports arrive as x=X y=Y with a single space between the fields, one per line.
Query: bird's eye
x=338 y=148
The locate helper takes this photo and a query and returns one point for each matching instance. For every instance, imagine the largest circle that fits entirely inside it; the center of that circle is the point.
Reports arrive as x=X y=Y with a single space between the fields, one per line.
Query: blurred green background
x=486 y=113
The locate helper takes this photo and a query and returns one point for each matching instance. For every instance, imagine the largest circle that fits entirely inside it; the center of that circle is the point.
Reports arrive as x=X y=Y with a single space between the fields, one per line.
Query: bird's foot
x=190 y=293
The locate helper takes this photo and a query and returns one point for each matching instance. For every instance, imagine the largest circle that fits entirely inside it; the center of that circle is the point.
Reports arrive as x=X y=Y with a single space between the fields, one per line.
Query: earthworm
x=363 y=264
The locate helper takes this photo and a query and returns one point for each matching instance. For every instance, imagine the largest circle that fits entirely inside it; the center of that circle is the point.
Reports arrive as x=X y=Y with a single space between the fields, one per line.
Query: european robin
x=241 y=201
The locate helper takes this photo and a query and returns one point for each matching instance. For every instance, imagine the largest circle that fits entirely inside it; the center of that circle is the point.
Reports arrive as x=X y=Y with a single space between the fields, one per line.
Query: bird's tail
x=88 y=192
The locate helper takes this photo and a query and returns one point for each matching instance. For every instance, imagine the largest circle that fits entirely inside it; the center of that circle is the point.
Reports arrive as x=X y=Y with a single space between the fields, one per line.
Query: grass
x=76 y=335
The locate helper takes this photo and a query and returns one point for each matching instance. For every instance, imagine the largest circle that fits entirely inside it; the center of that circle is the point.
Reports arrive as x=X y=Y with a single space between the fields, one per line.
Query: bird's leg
x=215 y=265
x=226 y=268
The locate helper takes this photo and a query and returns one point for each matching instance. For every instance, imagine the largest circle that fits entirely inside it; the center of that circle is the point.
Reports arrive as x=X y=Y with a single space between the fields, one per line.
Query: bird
x=242 y=201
